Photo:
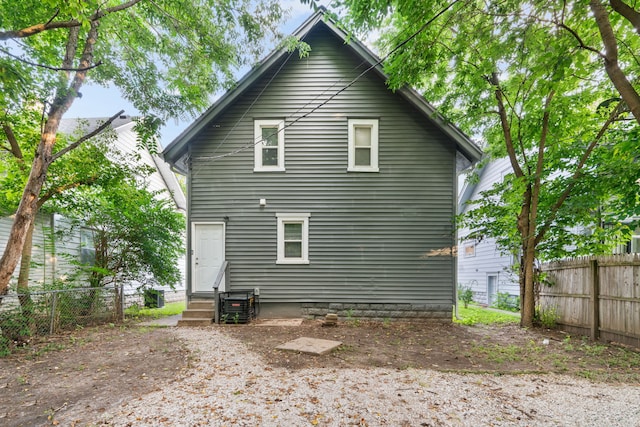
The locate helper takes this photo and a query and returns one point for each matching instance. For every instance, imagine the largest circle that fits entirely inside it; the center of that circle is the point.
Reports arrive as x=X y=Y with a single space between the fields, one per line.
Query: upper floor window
x=363 y=145
x=269 y=147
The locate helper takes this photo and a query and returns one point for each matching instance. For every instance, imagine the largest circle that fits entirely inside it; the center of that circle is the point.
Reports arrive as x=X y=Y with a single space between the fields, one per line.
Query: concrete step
x=201 y=304
x=195 y=322
x=198 y=313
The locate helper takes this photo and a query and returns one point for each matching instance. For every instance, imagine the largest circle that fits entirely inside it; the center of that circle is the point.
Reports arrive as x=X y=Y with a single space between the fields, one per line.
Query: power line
x=256 y=141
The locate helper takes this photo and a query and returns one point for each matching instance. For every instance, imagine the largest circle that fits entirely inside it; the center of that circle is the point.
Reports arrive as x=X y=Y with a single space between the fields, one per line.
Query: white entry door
x=492 y=288
x=207 y=256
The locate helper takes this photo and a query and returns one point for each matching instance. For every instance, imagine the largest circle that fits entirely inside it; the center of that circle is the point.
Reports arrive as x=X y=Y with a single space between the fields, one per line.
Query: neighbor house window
x=269 y=145
x=87 y=247
x=470 y=250
x=293 y=238
x=363 y=145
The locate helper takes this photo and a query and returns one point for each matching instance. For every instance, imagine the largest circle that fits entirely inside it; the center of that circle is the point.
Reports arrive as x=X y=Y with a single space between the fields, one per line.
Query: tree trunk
x=527 y=280
x=25 y=267
x=26 y=303
x=28 y=207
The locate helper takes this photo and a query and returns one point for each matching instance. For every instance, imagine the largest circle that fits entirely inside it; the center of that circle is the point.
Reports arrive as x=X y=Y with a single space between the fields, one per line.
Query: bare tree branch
x=90 y=135
x=38 y=28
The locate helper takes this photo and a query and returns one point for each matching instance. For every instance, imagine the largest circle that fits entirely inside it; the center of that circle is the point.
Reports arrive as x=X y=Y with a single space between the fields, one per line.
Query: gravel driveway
x=231 y=386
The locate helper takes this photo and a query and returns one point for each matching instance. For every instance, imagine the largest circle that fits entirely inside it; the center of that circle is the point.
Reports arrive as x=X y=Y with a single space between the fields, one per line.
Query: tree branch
x=504 y=121
x=628 y=12
x=71 y=48
x=55 y=191
x=581 y=43
x=90 y=135
x=35 y=64
x=38 y=28
x=616 y=75
x=578 y=171
x=13 y=141
x=542 y=145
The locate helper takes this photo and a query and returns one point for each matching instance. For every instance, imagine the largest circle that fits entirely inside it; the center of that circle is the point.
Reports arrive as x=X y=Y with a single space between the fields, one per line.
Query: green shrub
x=14 y=331
x=547 y=317
x=507 y=302
x=465 y=294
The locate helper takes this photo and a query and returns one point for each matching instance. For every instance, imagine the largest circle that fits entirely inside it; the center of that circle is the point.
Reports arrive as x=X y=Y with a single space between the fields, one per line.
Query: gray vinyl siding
x=488 y=259
x=369 y=233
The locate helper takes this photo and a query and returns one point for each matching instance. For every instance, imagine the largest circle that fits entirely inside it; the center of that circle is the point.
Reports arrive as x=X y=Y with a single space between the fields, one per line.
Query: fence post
x=595 y=300
x=122 y=302
x=53 y=313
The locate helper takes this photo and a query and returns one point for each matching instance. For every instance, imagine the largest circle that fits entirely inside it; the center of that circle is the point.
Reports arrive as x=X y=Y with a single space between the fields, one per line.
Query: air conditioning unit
x=237 y=306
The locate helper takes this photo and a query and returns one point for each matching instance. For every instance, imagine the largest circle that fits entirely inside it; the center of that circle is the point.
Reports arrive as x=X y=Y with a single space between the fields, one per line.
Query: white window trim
x=283 y=218
x=469 y=249
x=257 y=131
x=373 y=123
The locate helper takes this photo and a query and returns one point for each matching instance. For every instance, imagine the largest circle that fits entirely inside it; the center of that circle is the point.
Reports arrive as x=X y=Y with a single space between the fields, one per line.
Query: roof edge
x=178 y=147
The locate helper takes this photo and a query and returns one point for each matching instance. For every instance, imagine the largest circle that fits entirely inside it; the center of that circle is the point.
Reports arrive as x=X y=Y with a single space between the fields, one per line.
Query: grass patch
x=499 y=354
x=474 y=315
x=169 y=309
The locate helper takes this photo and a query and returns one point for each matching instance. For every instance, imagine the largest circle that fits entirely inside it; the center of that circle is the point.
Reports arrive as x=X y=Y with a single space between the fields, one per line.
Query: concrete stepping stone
x=310 y=345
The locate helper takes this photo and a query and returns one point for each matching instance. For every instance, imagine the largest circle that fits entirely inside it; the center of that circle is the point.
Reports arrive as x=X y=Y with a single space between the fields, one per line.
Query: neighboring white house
x=481 y=265
x=47 y=264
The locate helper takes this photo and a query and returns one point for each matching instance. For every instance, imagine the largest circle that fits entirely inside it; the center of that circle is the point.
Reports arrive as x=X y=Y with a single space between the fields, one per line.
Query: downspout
x=188 y=258
x=454 y=261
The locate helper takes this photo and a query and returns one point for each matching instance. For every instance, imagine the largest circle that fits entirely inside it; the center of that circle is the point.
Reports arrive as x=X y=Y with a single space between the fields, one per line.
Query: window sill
x=293 y=261
x=363 y=170
x=278 y=169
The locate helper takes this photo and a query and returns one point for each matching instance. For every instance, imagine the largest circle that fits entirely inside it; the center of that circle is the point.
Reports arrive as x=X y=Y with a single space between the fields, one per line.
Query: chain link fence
x=24 y=317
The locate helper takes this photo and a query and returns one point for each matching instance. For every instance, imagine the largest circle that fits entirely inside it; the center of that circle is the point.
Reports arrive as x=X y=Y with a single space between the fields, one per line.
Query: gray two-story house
x=323 y=188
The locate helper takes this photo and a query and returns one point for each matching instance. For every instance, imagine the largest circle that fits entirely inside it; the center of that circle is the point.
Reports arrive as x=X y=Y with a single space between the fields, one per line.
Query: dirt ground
x=96 y=368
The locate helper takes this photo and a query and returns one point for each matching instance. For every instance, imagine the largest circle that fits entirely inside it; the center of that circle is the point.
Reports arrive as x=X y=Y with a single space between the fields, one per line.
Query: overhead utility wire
x=253 y=103
x=347 y=86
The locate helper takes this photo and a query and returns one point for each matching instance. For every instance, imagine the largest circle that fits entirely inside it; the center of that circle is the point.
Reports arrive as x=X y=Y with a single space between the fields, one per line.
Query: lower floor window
x=293 y=238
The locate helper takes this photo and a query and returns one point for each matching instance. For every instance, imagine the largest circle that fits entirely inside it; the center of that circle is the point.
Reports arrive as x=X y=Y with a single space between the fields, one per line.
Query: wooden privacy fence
x=596 y=296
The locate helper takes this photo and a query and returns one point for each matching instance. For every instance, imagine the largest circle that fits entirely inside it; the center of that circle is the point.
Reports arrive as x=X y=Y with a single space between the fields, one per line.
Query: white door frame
x=495 y=287
x=194 y=240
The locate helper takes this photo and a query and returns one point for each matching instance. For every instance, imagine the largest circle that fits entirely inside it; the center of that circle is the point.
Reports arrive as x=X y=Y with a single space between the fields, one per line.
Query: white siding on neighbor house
x=161 y=179
x=477 y=261
x=53 y=254
x=369 y=232
x=43 y=260
x=126 y=144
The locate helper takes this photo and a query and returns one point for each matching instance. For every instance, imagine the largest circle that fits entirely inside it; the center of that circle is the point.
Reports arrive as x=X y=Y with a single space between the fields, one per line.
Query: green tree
x=137 y=235
x=88 y=165
x=514 y=73
x=167 y=57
